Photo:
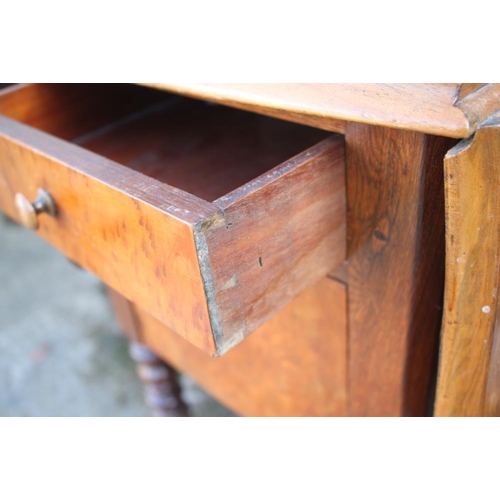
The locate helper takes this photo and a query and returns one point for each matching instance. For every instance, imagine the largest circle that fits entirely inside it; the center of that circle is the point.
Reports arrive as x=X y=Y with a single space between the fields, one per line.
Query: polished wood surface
x=162 y=247
x=430 y=108
x=293 y=365
x=469 y=382
x=395 y=263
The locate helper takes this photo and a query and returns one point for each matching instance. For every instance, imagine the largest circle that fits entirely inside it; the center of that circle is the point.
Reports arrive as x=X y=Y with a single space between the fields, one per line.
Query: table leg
x=162 y=392
x=395 y=278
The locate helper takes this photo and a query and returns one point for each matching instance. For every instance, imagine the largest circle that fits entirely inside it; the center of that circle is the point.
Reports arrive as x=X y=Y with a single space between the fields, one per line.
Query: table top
x=446 y=109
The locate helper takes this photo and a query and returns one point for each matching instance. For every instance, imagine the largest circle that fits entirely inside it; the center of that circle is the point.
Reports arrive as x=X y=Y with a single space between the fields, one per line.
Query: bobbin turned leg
x=162 y=392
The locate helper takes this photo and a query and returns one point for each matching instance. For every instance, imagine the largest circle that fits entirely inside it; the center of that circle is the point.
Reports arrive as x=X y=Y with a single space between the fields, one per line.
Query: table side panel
x=293 y=365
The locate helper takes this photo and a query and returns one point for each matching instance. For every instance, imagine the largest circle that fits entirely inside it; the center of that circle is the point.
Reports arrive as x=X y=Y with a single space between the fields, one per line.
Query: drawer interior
x=221 y=218
x=205 y=149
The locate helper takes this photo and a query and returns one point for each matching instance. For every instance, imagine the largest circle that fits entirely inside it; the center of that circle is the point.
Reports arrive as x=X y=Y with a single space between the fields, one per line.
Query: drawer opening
x=210 y=218
x=205 y=149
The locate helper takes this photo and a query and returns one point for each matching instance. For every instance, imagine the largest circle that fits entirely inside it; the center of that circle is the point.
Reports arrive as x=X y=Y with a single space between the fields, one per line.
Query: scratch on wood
x=230 y=283
x=215 y=221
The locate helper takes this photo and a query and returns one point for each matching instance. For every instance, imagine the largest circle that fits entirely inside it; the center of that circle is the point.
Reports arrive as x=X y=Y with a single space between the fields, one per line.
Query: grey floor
x=61 y=351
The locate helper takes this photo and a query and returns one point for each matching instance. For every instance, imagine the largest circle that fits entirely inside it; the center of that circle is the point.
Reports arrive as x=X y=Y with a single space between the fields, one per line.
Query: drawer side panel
x=281 y=233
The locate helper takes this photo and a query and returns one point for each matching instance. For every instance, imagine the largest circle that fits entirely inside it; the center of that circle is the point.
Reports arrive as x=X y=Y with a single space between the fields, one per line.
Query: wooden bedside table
x=307 y=256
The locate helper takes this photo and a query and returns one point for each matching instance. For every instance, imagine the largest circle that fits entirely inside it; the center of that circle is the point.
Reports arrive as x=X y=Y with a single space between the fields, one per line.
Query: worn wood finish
x=270 y=223
x=184 y=260
x=480 y=104
x=467 y=88
x=162 y=392
x=257 y=266
x=294 y=365
x=468 y=383
x=395 y=267
x=429 y=108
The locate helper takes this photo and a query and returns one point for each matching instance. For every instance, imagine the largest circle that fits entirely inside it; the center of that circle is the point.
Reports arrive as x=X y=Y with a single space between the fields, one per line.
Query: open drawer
x=209 y=218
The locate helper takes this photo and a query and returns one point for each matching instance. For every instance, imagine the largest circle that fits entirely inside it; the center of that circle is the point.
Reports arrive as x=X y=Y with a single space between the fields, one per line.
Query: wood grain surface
x=395 y=267
x=468 y=88
x=293 y=365
x=213 y=272
x=430 y=108
x=119 y=241
x=469 y=382
x=278 y=230
x=480 y=104
x=281 y=233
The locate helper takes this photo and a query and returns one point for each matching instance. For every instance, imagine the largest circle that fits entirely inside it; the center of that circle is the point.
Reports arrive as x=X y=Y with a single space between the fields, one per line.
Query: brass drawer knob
x=27 y=212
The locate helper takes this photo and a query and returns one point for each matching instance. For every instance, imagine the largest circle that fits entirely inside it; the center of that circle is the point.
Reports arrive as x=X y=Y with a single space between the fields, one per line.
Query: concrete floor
x=61 y=351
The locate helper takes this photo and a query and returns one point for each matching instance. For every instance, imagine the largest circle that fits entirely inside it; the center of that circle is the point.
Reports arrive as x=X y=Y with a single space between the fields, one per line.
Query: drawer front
x=211 y=272
x=120 y=225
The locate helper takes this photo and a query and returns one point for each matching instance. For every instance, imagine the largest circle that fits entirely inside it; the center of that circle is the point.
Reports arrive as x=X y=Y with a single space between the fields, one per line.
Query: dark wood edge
x=167 y=199
x=275 y=173
x=207 y=279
